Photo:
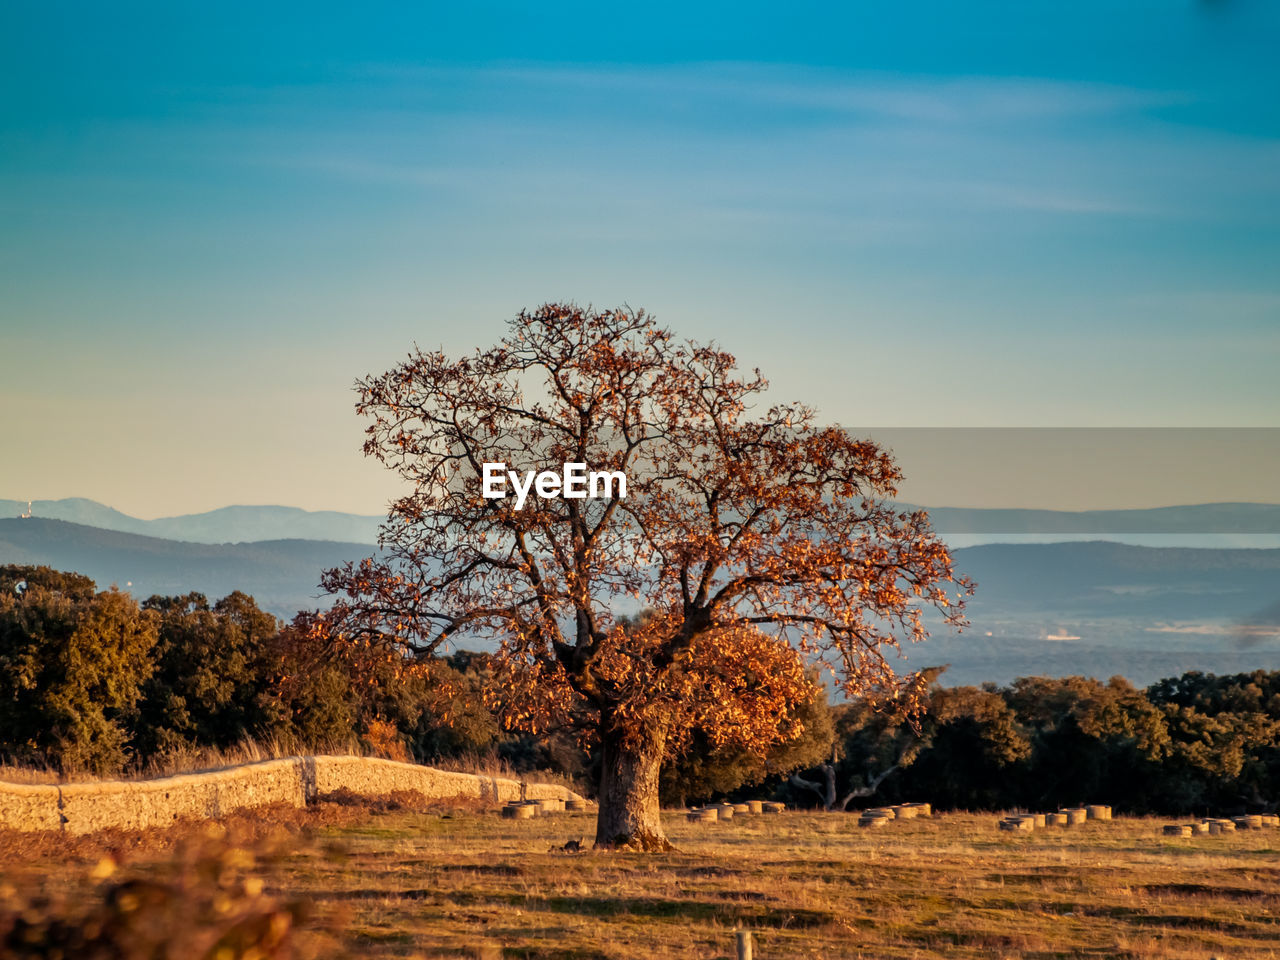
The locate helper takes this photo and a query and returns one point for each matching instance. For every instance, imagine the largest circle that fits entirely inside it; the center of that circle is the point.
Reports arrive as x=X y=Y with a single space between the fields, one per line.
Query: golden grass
x=459 y=881
x=251 y=750
x=490 y=765
x=187 y=760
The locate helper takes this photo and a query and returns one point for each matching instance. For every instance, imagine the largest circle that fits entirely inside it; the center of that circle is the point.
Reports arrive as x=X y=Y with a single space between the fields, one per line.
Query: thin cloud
x=964 y=100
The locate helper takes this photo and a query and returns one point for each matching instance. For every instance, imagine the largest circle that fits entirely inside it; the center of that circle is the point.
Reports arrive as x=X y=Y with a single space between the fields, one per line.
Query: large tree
x=756 y=541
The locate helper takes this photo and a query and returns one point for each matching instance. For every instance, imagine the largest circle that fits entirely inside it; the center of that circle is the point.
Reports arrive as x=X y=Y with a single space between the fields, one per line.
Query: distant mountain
x=226 y=525
x=1202 y=518
x=1198 y=525
x=236 y=524
x=75 y=510
x=282 y=575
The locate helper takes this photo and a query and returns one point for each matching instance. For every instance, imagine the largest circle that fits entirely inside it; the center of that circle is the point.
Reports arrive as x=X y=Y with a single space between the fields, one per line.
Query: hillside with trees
x=95 y=682
x=1055 y=608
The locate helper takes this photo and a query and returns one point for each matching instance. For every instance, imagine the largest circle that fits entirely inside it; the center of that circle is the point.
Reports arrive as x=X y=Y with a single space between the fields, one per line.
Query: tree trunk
x=827 y=789
x=629 y=812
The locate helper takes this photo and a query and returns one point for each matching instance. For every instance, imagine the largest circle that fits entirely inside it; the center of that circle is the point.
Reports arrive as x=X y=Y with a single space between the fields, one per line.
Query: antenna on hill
x=27 y=515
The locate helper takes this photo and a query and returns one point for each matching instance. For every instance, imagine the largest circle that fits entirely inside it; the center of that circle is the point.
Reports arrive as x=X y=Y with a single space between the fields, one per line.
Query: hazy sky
x=213 y=218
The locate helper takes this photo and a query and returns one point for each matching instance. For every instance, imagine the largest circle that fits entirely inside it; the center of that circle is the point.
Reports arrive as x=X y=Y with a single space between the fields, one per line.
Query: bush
x=206 y=903
x=211 y=666
x=71 y=664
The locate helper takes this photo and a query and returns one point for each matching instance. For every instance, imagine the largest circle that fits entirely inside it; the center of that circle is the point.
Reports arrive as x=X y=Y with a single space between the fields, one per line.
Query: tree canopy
x=71 y=662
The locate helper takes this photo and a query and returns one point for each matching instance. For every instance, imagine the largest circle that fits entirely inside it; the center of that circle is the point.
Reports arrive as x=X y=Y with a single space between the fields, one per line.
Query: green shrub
x=71 y=665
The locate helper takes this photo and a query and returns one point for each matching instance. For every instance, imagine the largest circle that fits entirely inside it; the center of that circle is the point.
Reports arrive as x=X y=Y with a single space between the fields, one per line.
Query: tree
x=1225 y=741
x=209 y=672
x=972 y=751
x=871 y=742
x=451 y=718
x=1089 y=740
x=760 y=541
x=71 y=663
x=702 y=770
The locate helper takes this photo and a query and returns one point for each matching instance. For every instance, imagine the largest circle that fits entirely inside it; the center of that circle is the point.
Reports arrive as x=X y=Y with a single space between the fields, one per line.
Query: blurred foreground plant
x=207 y=902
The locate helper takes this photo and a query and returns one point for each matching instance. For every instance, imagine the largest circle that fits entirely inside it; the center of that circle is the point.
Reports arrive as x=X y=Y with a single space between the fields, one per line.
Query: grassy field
x=458 y=881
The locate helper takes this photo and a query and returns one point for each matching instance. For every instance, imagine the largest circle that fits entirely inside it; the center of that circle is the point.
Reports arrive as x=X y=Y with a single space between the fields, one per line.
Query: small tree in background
x=972 y=750
x=71 y=662
x=454 y=720
x=871 y=741
x=1089 y=740
x=209 y=673
x=759 y=539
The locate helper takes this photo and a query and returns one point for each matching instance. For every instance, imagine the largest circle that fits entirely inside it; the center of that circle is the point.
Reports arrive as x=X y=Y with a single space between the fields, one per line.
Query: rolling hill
x=282 y=575
x=1093 y=607
x=1101 y=579
x=236 y=524
x=1099 y=608
x=1196 y=525
x=1199 y=518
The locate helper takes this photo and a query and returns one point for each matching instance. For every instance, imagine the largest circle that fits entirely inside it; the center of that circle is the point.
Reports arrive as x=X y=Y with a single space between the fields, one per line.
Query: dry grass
x=491 y=765
x=190 y=760
x=203 y=759
x=449 y=881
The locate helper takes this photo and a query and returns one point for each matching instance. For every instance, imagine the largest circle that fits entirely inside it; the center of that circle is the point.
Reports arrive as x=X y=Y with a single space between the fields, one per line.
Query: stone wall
x=373 y=777
x=85 y=807
x=25 y=807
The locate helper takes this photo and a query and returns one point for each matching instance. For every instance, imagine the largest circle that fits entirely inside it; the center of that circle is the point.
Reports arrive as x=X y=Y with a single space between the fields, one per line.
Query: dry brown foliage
x=208 y=901
x=754 y=539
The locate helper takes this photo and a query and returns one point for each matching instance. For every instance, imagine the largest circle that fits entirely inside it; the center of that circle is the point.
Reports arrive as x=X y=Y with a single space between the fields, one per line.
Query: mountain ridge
x=239 y=523
x=1093 y=606
x=283 y=575
x=1216 y=524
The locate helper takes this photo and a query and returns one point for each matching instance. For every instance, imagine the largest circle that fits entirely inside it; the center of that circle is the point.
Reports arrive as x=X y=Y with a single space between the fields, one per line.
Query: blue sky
x=923 y=214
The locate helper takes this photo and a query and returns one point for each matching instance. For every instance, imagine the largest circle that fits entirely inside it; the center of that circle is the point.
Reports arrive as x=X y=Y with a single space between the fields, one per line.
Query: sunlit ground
x=466 y=882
